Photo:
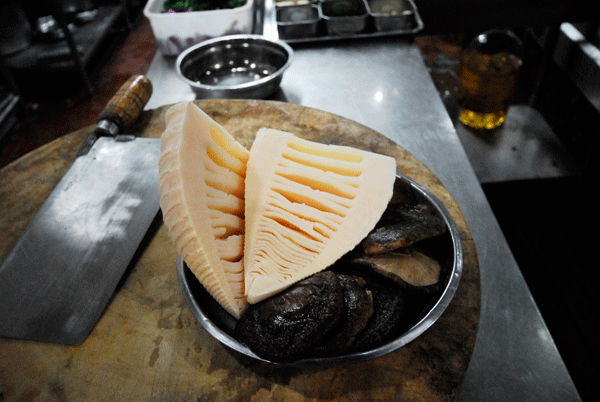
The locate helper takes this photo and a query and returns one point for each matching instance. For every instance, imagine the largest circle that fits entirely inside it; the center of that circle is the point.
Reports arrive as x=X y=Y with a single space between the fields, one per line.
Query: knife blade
x=59 y=276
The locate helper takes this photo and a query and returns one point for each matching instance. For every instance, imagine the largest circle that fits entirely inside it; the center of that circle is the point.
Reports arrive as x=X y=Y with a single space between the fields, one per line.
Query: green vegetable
x=200 y=5
x=235 y=3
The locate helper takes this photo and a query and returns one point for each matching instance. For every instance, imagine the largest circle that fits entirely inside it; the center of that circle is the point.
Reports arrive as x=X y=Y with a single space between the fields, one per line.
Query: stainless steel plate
x=220 y=324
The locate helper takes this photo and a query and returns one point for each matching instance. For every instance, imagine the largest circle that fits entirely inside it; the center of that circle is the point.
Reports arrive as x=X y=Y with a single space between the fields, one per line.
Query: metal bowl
x=344 y=17
x=220 y=324
x=297 y=21
x=234 y=66
x=392 y=15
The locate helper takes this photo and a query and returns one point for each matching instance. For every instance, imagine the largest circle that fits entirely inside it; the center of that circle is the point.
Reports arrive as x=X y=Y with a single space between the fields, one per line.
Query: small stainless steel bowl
x=297 y=21
x=234 y=66
x=392 y=15
x=220 y=324
x=344 y=17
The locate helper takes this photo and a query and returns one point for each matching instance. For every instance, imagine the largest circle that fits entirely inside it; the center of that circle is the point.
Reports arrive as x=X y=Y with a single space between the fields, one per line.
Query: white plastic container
x=175 y=32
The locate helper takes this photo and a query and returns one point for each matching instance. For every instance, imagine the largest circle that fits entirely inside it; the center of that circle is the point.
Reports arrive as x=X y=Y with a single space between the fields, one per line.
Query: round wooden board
x=147 y=345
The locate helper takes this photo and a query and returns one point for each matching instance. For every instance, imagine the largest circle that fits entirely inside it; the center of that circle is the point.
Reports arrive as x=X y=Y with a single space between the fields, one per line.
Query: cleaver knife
x=61 y=273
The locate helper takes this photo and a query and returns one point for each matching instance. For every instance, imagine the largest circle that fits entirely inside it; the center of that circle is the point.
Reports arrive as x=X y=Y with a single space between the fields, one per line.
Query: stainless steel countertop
x=384 y=84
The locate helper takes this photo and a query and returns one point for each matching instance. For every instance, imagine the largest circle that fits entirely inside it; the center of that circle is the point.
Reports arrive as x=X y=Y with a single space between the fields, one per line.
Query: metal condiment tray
x=267 y=20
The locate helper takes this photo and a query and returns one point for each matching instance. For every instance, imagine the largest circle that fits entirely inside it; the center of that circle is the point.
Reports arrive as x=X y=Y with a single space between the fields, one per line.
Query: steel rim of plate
x=415 y=331
x=233 y=89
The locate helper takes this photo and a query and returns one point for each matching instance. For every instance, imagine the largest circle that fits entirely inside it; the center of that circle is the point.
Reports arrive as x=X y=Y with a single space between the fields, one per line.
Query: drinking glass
x=489 y=72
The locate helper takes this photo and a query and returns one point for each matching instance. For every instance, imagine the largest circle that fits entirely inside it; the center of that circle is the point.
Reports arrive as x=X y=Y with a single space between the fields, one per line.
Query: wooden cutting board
x=147 y=345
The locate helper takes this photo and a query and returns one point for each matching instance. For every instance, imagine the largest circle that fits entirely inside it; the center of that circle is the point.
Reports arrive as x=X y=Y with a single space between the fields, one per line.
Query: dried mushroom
x=402 y=226
x=286 y=327
x=390 y=308
x=358 y=303
x=409 y=268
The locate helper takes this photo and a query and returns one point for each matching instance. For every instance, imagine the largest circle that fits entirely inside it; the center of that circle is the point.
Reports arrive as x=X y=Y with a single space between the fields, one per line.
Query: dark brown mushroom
x=359 y=309
x=401 y=227
x=409 y=268
x=389 y=308
x=287 y=326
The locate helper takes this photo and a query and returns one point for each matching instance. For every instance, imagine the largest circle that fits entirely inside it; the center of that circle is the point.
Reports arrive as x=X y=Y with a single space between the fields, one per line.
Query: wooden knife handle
x=128 y=103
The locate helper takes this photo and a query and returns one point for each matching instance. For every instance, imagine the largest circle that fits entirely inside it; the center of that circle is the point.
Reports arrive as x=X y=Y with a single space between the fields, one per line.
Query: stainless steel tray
x=267 y=21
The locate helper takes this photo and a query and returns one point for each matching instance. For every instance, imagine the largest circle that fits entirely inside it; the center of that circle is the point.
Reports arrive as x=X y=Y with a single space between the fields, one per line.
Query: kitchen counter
x=381 y=84
x=385 y=85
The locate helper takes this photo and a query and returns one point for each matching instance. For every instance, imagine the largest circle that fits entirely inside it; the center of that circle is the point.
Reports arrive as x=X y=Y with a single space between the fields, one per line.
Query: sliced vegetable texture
x=202 y=180
x=307 y=204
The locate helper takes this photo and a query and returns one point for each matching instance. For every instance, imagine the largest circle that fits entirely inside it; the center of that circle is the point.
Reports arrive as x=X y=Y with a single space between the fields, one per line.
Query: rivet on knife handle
x=121 y=111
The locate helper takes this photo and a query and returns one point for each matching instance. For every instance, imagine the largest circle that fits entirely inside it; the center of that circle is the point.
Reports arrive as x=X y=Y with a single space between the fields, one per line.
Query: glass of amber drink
x=489 y=71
